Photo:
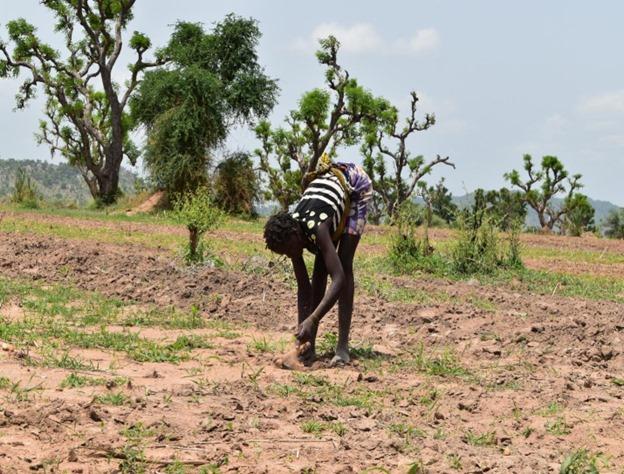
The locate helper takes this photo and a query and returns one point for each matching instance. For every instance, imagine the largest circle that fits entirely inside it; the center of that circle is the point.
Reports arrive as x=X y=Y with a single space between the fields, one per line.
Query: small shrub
x=25 y=191
x=580 y=462
x=199 y=214
x=484 y=439
x=479 y=248
x=407 y=251
x=558 y=427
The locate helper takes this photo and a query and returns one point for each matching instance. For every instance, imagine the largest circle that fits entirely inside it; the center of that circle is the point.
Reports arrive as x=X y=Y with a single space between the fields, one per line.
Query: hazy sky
x=503 y=78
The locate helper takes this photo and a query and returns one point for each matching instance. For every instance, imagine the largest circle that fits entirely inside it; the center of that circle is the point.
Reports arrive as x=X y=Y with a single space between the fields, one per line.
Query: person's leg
x=360 y=199
x=319 y=284
x=346 y=252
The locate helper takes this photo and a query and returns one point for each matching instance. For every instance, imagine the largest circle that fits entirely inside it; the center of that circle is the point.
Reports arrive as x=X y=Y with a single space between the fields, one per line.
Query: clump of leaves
x=199 y=214
x=580 y=461
x=484 y=439
x=317 y=427
x=133 y=451
x=558 y=427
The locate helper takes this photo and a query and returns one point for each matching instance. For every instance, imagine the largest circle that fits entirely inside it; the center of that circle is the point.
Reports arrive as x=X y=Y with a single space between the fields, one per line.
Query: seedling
x=484 y=439
x=558 y=427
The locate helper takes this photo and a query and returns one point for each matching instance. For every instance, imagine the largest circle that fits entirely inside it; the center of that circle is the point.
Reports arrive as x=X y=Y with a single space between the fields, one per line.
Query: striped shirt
x=324 y=199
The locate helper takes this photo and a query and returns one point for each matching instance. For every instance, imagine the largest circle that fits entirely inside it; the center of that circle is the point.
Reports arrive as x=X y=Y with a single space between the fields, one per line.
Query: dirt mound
x=156 y=201
x=133 y=273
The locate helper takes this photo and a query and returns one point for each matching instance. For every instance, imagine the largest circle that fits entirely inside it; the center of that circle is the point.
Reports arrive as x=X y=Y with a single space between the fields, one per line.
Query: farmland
x=118 y=357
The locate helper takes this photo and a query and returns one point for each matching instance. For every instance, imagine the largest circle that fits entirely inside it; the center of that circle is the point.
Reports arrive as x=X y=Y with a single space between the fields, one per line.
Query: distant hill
x=55 y=182
x=602 y=208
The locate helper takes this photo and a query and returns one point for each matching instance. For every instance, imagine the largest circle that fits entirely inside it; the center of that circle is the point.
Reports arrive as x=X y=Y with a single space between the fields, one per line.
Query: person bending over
x=328 y=221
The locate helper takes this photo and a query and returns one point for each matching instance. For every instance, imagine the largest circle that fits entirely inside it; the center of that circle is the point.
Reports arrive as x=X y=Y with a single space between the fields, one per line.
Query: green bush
x=479 y=248
x=408 y=252
x=25 y=191
x=199 y=214
x=236 y=185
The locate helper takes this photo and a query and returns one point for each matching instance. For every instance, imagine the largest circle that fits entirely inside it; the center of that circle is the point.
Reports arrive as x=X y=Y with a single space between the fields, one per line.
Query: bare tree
x=399 y=185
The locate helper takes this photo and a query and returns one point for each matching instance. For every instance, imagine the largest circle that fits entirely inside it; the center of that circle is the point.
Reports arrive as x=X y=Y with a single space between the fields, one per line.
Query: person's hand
x=305 y=331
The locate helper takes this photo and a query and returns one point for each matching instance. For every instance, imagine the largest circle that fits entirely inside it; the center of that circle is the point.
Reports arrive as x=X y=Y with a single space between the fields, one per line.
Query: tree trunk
x=108 y=182
x=545 y=228
x=193 y=241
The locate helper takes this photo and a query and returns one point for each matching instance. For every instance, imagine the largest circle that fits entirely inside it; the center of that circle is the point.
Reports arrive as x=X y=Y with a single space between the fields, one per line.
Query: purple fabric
x=360 y=197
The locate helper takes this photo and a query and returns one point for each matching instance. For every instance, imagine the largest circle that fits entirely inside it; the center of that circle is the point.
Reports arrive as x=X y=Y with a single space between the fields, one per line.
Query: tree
x=396 y=188
x=86 y=123
x=580 y=216
x=614 y=224
x=507 y=207
x=542 y=185
x=236 y=184
x=212 y=82
x=284 y=180
x=442 y=202
x=325 y=120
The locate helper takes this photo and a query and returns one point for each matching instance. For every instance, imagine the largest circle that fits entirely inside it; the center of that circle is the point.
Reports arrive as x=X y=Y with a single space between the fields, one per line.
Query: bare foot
x=341 y=358
x=294 y=360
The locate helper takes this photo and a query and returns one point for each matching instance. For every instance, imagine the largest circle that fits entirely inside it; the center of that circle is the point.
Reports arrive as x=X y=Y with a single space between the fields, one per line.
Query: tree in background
x=284 y=177
x=614 y=224
x=85 y=122
x=236 y=185
x=325 y=120
x=25 y=190
x=395 y=187
x=442 y=203
x=213 y=81
x=542 y=185
x=580 y=217
x=507 y=207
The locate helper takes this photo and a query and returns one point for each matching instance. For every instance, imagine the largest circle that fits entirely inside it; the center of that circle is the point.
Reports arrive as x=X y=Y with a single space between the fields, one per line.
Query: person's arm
x=335 y=270
x=304 y=289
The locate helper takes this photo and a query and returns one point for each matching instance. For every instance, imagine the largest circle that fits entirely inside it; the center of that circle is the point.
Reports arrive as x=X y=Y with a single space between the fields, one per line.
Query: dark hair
x=278 y=229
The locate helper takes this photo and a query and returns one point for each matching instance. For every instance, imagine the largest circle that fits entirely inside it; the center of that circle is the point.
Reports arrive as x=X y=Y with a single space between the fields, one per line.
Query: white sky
x=503 y=78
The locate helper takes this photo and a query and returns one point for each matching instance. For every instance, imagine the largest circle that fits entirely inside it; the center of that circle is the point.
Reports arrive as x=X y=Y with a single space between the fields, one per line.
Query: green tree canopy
x=326 y=119
x=85 y=113
x=508 y=208
x=236 y=184
x=580 y=215
x=442 y=203
x=212 y=81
